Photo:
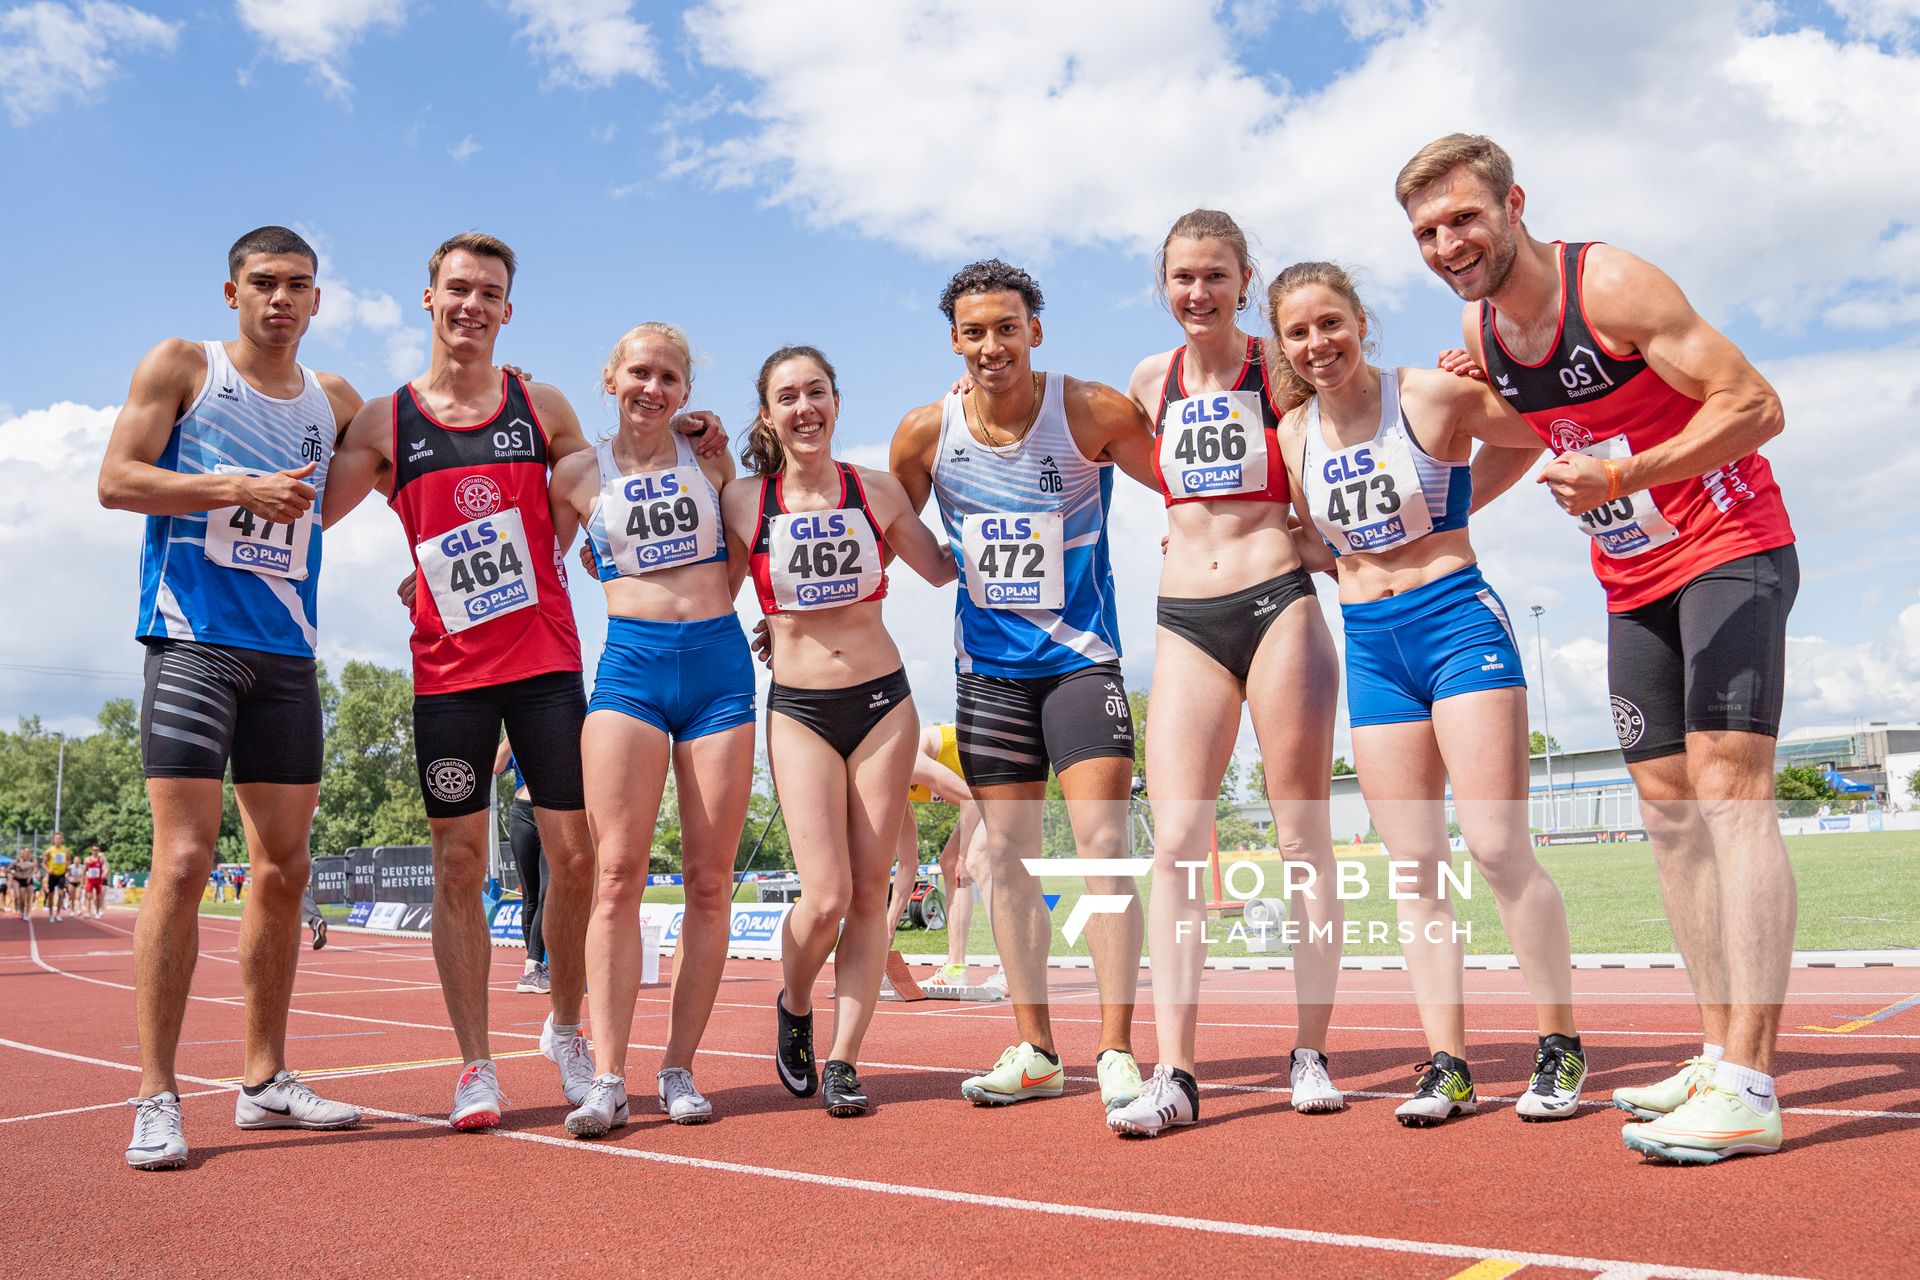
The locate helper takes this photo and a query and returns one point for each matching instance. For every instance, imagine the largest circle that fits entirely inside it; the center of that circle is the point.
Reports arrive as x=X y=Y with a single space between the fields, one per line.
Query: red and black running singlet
x=1583 y=398
x=491 y=601
x=1221 y=445
x=817 y=559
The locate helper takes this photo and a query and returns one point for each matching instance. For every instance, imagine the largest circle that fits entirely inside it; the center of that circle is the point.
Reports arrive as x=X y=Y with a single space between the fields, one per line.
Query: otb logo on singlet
x=313 y=449
x=1050 y=481
x=1583 y=374
x=476 y=496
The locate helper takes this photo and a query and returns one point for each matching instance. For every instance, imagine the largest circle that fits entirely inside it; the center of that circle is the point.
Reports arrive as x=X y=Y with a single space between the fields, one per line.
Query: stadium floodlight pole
x=1546 y=724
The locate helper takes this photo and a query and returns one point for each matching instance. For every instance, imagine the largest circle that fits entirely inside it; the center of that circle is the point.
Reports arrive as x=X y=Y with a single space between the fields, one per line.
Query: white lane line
x=1621 y=1269
x=98 y=1106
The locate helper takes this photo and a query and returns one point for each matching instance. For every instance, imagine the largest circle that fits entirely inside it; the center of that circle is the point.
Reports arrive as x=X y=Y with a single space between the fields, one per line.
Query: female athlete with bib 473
x=674 y=686
x=1238 y=623
x=1434 y=683
x=841 y=732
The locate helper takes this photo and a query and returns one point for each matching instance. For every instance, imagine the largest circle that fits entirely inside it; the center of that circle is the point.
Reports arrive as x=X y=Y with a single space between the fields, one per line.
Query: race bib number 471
x=479 y=571
x=239 y=539
x=1014 y=561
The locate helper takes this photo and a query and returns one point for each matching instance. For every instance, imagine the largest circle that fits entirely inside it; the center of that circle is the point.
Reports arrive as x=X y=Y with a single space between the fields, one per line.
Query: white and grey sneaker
x=682 y=1103
x=604 y=1107
x=1163 y=1103
x=287 y=1103
x=574 y=1056
x=477 y=1100
x=1313 y=1089
x=158 y=1140
x=1559 y=1069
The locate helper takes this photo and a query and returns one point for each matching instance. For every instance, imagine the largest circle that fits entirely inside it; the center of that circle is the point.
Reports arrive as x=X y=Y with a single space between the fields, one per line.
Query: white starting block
x=979 y=992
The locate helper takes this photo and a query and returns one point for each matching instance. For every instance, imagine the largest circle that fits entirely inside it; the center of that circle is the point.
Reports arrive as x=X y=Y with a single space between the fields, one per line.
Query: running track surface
x=928 y=1184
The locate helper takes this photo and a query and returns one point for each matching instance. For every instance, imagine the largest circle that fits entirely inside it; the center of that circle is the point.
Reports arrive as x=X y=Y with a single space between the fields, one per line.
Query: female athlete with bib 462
x=1380 y=459
x=1238 y=623
x=841 y=732
x=674 y=686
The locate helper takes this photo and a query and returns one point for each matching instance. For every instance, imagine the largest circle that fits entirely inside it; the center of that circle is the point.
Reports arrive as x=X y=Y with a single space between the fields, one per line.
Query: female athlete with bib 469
x=1238 y=623
x=1435 y=690
x=841 y=732
x=674 y=687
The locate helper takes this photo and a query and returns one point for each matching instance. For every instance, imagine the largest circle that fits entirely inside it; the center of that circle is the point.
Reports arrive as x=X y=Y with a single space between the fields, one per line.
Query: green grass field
x=1857 y=892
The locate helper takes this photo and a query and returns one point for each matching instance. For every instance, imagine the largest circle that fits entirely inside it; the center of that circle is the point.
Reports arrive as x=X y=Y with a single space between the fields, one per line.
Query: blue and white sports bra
x=654 y=520
x=1384 y=492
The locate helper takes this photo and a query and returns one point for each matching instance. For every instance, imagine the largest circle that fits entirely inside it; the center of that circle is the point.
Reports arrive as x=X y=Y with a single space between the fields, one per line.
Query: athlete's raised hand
x=962 y=385
x=1579 y=483
x=702 y=426
x=1458 y=361
x=280 y=496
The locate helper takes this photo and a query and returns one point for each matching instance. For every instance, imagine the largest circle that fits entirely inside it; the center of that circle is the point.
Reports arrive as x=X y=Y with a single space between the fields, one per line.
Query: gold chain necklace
x=973 y=411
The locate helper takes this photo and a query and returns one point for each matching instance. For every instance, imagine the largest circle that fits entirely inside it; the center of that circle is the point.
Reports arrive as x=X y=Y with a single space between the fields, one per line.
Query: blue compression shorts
x=1444 y=638
x=686 y=679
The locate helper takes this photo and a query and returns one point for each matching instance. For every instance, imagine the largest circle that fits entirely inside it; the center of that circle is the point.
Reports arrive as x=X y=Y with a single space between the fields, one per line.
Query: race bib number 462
x=239 y=539
x=822 y=559
x=479 y=571
x=1014 y=561
x=1214 y=446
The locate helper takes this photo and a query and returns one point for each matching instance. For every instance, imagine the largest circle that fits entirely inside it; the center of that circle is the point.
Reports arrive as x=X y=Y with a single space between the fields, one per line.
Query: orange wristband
x=1613 y=478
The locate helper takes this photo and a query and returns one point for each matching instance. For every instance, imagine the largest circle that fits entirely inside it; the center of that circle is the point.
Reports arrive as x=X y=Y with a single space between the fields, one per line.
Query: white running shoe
x=1313 y=1089
x=287 y=1103
x=604 y=1107
x=477 y=1100
x=158 y=1140
x=682 y=1103
x=1162 y=1104
x=998 y=981
x=574 y=1057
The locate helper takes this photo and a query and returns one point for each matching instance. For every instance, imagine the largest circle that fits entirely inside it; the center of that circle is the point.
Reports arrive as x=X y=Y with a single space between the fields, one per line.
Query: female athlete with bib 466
x=841 y=732
x=1434 y=682
x=674 y=686
x=1238 y=623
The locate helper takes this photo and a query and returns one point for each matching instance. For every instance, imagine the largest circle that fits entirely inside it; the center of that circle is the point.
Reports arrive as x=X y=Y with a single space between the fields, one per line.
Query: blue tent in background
x=1845 y=785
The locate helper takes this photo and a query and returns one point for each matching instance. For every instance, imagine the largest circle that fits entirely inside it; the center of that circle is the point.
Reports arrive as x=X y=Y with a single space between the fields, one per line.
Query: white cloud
x=1776 y=164
x=317 y=33
x=464 y=149
x=1894 y=20
x=346 y=314
x=51 y=53
x=589 y=43
x=1878 y=678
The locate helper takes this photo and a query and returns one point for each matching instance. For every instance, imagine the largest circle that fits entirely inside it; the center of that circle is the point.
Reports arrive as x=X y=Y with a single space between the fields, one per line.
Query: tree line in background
x=370 y=794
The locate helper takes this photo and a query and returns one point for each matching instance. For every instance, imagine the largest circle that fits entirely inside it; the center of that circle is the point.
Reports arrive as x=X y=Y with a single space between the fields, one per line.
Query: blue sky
x=760 y=172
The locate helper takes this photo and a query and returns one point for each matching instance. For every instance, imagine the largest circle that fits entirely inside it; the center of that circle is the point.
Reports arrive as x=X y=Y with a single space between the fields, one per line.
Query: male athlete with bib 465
x=1655 y=420
x=462 y=454
x=1022 y=465
x=224 y=447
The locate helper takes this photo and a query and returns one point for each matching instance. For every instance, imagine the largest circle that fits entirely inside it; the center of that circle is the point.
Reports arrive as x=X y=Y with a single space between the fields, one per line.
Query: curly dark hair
x=991 y=276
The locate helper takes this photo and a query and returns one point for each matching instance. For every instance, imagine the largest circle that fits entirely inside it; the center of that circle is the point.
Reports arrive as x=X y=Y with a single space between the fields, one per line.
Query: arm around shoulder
x=911 y=456
x=361 y=460
x=557 y=419
x=1110 y=427
x=907 y=535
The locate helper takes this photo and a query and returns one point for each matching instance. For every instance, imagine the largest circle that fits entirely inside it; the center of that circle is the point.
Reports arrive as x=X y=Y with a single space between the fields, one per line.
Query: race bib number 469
x=239 y=539
x=479 y=571
x=1214 y=446
x=658 y=519
x=1014 y=561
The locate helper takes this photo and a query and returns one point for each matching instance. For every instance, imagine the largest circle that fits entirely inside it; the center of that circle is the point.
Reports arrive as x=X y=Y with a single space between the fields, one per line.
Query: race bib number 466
x=239 y=539
x=1214 y=446
x=1014 y=561
x=479 y=571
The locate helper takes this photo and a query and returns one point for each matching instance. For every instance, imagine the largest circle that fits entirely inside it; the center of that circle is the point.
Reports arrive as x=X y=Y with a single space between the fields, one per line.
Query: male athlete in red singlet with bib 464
x=1655 y=420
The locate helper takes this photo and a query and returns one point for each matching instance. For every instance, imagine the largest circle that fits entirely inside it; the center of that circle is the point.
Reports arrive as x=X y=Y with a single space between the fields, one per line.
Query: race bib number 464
x=239 y=539
x=479 y=571
x=1014 y=561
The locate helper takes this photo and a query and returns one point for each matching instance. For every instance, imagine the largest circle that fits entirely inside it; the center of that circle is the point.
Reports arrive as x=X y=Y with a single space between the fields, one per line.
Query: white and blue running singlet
x=227 y=577
x=1027 y=524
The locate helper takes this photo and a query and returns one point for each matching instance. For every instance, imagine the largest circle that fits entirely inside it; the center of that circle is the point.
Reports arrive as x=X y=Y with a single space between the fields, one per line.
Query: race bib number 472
x=1014 y=561
x=479 y=571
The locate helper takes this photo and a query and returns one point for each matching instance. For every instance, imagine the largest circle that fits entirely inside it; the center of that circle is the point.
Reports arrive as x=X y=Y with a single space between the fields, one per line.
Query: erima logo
x=880 y=698
x=419 y=444
x=959 y=453
x=227 y=392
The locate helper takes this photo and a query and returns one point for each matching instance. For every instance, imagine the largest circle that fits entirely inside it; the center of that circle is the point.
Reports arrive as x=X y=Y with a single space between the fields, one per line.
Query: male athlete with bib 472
x=1022 y=466
x=224 y=447
x=1655 y=419
x=462 y=454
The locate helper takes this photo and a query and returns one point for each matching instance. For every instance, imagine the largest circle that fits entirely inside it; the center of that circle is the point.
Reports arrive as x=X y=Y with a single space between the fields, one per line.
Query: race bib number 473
x=479 y=571
x=1014 y=561
x=239 y=539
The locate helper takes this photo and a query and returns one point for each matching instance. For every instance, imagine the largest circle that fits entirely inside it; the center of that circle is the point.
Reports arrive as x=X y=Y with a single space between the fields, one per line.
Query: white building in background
x=1592 y=791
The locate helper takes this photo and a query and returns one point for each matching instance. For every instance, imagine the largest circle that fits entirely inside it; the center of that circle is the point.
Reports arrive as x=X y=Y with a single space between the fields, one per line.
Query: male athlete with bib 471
x=1022 y=465
x=224 y=447
x=1655 y=420
x=462 y=454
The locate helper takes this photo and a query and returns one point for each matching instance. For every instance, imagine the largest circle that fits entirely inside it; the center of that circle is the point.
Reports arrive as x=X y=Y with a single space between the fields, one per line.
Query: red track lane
x=928 y=1183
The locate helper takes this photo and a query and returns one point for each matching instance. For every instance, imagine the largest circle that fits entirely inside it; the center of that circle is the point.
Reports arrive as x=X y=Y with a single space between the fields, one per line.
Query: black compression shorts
x=1710 y=656
x=455 y=736
x=205 y=704
x=1012 y=730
